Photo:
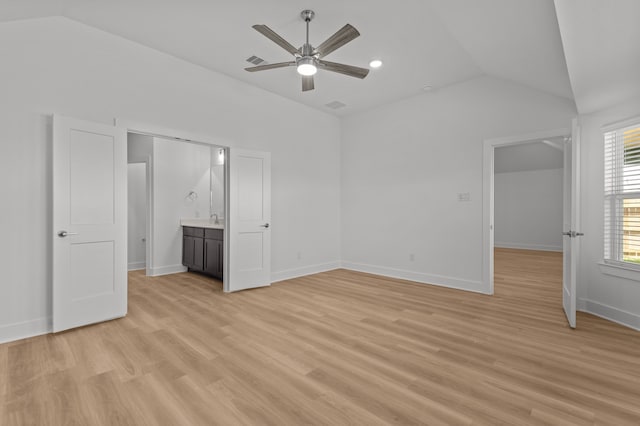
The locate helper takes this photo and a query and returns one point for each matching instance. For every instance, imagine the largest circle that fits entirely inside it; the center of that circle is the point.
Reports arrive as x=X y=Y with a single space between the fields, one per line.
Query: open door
x=249 y=220
x=571 y=223
x=90 y=223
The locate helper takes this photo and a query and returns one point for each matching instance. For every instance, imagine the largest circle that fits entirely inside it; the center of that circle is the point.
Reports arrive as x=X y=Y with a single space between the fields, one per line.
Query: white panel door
x=571 y=223
x=249 y=220
x=89 y=222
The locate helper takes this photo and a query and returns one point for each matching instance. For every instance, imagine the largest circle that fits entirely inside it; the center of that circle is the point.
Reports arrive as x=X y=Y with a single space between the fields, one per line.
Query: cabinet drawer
x=213 y=234
x=193 y=232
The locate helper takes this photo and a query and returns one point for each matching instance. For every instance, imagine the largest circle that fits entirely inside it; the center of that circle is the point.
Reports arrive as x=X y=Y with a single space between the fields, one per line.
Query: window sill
x=620 y=271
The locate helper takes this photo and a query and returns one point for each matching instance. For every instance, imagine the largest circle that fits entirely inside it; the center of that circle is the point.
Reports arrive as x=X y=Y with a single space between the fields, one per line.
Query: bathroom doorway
x=184 y=189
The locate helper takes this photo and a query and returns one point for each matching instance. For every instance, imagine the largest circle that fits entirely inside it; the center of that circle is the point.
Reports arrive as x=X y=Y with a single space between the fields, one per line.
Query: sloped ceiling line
x=434 y=43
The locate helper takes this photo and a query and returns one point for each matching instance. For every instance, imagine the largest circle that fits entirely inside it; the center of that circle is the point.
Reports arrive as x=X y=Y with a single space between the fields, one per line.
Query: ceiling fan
x=309 y=59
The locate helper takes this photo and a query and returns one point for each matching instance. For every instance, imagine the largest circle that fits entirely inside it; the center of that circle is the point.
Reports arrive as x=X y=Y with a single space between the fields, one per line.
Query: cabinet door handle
x=63 y=234
x=266 y=225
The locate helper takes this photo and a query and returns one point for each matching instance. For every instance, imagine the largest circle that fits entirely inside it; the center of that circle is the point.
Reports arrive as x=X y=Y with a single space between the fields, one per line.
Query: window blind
x=622 y=194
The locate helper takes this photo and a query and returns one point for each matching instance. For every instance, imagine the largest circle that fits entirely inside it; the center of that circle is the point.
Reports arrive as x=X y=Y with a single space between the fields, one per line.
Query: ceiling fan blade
x=307 y=83
x=349 y=70
x=273 y=36
x=270 y=66
x=343 y=36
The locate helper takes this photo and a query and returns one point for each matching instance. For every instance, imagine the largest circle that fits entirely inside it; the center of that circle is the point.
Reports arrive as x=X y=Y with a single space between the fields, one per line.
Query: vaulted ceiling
x=602 y=44
x=422 y=43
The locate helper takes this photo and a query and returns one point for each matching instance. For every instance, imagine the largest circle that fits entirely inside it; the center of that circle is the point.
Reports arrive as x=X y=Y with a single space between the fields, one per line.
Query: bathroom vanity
x=202 y=247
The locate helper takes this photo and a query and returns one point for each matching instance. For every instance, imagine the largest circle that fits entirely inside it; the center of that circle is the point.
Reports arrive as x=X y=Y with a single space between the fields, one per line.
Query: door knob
x=63 y=234
x=266 y=225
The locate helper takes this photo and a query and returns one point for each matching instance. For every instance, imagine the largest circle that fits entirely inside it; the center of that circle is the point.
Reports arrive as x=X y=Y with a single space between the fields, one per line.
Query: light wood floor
x=335 y=348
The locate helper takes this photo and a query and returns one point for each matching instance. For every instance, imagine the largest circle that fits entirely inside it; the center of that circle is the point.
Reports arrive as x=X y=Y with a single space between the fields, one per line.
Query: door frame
x=488 y=194
x=149 y=216
x=148 y=203
x=186 y=136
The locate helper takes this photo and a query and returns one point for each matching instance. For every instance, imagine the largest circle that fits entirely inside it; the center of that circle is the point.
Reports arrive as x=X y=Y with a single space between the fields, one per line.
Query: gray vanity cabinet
x=202 y=250
x=213 y=252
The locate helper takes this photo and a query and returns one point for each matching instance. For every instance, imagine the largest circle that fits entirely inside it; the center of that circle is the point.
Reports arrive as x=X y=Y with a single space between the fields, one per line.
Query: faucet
x=215 y=215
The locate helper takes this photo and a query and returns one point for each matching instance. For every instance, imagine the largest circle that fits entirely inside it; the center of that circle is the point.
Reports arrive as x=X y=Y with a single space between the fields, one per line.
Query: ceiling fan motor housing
x=307 y=50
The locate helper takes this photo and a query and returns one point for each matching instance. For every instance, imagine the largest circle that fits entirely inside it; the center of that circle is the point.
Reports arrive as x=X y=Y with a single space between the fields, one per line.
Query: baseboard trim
x=419 y=277
x=610 y=313
x=25 y=329
x=136 y=266
x=167 y=270
x=288 y=274
x=539 y=247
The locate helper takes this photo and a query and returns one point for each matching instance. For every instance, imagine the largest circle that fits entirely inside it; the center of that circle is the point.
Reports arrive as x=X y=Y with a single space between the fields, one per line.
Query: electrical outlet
x=412 y=257
x=299 y=255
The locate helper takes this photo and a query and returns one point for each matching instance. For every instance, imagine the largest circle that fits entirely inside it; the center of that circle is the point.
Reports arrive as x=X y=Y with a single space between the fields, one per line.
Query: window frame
x=613 y=243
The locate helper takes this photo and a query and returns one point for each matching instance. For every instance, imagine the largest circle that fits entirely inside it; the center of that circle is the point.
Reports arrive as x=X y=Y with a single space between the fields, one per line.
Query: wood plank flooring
x=335 y=348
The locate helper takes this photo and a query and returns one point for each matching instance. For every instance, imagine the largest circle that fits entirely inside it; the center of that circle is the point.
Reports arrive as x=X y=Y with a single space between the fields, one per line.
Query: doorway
x=185 y=189
x=528 y=219
x=246 y=217
x=569 y=140
x=528 y=183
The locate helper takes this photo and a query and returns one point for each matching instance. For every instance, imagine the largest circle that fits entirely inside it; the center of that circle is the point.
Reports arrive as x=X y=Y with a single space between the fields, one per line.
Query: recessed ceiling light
x=427 y=88
x=376 y=63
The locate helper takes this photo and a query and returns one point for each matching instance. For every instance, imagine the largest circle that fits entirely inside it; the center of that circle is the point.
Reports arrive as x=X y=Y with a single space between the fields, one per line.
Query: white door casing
x=571 y=223
x=89 y=222
x=249 y=220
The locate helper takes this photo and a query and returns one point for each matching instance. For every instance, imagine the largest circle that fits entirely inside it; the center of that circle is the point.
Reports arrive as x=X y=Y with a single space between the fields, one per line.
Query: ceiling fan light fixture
x=376 y=63
x=307 y=66
x=307 y=58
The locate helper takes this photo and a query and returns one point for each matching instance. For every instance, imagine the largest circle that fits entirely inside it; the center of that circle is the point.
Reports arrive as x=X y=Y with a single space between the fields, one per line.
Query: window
x=622 y=195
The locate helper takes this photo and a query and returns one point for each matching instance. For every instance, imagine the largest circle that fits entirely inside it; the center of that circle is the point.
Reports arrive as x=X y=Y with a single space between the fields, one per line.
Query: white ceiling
x=602 y=44
x=422 y=42
x=535 y=155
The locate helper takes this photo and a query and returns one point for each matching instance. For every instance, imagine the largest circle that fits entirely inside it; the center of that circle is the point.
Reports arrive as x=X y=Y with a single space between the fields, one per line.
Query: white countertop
x=202 y=223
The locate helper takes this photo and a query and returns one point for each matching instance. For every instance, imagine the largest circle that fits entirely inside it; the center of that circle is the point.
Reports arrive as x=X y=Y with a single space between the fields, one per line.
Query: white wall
x=139 y=148
x=137 y=215
x=528 y=209
x=56 y=65
x=178 y=169
x=609 y=296
x=404 y=164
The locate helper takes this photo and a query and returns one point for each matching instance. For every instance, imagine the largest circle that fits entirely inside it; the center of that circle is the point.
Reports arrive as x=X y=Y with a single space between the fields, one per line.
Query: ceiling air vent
x=255 y=60
x=335 y=105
